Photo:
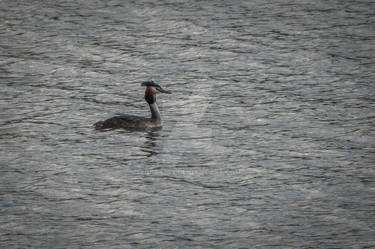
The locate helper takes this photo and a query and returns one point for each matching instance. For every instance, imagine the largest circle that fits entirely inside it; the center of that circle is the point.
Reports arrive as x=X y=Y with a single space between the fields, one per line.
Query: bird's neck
x=155 y=114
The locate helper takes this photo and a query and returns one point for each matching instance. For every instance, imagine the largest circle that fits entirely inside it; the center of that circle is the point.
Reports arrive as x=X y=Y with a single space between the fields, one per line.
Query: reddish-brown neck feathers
x=150 y=95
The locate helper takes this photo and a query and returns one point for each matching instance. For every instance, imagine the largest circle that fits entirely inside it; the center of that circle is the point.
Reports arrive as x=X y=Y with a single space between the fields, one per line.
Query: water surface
x=268 y=138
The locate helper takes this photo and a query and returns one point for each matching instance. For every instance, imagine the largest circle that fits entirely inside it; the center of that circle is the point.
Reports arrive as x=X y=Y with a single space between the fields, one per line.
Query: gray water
x=268 y=137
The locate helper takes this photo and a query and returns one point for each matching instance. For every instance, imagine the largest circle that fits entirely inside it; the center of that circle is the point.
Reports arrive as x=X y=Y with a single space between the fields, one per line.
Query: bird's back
x=128 y=122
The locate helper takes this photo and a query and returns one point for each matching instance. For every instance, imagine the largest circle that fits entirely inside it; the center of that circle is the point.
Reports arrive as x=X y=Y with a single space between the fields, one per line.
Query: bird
x=131 y=122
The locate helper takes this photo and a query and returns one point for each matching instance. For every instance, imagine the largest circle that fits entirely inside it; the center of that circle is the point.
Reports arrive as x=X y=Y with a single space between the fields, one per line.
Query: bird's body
x=128 y=122
x=134 y=122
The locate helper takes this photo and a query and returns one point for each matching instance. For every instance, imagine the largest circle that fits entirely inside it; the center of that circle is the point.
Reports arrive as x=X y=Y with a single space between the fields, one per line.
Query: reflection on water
x=267 y=137
x=151 y=142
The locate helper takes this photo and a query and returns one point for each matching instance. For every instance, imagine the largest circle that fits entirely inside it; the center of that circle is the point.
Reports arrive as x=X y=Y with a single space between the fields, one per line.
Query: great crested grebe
x=135 y=122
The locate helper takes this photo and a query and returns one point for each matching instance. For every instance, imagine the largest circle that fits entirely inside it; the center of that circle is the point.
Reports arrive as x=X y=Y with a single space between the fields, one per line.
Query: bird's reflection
x=151 y=141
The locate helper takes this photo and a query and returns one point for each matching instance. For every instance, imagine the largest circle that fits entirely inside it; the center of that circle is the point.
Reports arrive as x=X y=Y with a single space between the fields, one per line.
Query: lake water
x=268 y=137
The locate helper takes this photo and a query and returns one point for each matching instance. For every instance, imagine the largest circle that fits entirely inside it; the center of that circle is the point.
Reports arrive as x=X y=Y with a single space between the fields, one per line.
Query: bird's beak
x=162 y=90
